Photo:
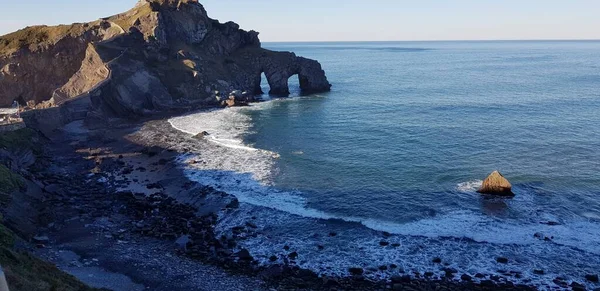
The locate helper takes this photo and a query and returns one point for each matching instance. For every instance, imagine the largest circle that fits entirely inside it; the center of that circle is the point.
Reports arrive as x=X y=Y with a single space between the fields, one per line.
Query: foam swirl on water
x=228 y=164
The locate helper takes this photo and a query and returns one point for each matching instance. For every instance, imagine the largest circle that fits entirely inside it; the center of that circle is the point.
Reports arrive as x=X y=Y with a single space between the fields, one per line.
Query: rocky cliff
x=160 y=55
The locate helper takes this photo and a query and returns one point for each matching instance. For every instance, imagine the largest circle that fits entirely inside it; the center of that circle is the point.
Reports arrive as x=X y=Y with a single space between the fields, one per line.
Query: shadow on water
x=494 y=206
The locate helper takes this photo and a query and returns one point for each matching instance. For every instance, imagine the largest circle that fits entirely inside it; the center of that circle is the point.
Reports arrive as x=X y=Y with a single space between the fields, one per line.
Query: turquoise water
x=400 y=145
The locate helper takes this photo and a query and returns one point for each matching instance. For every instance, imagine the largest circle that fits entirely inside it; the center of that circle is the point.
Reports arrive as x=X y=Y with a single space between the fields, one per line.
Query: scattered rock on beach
x=356 y=271
x=592 y=278
x=41 y=239
x=450 y=272
x=201 y=135
x=577 y=287
x=400 y=279
x=244 y=255
x=234 y=204
x=496 y=184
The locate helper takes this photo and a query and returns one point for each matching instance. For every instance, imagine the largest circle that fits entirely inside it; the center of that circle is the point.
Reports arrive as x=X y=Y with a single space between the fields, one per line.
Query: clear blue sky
x=347 y=20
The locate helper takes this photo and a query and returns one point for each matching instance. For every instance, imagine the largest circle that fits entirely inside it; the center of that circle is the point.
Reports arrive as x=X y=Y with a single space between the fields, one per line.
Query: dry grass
x=127 y=19
x=35 y=37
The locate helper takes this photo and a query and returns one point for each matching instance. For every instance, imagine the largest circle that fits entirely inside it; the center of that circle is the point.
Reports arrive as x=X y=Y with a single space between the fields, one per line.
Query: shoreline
x=148 y=155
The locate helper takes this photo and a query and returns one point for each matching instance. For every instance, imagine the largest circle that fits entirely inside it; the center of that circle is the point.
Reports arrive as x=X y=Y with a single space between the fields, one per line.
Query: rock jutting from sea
x=162 y=55
x=496 y=184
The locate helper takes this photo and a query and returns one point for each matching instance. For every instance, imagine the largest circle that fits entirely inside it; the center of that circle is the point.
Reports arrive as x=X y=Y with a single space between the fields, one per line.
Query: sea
x=381 y=173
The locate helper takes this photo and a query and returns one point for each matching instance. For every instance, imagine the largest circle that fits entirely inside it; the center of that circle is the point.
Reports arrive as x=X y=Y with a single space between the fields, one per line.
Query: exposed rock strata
x=160 y=55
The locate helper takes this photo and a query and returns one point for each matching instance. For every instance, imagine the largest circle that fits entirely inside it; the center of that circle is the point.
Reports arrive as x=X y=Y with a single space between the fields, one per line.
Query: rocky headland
x=160 y=56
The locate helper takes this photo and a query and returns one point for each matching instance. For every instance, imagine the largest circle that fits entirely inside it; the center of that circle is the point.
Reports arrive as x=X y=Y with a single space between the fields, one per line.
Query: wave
x=226 y=127
x=234 y=144
x=246 y=172
x=469 y=186
x=479 y=227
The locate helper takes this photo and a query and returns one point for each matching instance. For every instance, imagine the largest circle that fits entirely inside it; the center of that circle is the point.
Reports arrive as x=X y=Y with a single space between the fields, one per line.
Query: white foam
x=479 y=227
x=226 y=128
x=246 y=172
x=230 y=143
x=469 y=186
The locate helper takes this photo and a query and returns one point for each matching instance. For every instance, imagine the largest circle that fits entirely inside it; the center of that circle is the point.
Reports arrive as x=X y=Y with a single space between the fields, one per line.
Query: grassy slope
x=36 y=37
x=41 y=36
x=126 y=20
x=9 y=182
x=25 y=272
x=20 y=139
x=11 y=141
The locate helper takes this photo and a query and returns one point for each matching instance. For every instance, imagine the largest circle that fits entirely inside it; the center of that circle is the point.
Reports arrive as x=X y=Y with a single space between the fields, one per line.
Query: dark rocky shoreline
x=77 y=197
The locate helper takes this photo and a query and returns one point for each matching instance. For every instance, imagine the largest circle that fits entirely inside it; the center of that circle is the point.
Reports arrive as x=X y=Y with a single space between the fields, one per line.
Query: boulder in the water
x=201 y=135
x=496 y=184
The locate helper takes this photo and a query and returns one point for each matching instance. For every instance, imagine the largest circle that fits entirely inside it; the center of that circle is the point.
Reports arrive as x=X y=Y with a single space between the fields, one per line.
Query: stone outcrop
x=161 y=55
x=37 y=60
x=496 y=184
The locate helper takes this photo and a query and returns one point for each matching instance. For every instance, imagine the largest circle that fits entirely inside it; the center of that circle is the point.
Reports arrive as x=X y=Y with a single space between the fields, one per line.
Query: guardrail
x=3 y=284
x=8 y=111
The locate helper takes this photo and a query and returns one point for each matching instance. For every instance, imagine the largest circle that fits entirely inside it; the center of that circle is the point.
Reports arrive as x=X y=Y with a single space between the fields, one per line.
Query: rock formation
x=496 y=184
x=158 y=56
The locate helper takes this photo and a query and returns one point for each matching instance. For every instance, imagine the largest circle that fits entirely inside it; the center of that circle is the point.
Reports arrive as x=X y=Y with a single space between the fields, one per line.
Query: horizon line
x=441 y=40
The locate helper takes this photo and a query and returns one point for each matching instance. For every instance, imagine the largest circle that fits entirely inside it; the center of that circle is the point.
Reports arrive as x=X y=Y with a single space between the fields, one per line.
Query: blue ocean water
x=407 y=122
x=400 y=145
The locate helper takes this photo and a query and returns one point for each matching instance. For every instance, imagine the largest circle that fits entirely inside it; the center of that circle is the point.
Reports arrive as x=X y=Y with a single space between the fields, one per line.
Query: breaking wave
x=224 y=161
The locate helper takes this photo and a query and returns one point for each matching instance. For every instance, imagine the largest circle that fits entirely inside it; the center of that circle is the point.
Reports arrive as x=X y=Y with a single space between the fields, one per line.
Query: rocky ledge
x=161 y=55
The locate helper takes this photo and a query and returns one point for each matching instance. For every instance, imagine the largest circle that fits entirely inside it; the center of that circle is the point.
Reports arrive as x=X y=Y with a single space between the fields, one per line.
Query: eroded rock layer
x=160 y=55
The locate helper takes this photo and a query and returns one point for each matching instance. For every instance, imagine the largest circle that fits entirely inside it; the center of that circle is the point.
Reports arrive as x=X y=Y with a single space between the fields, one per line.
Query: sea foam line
x=245 y=176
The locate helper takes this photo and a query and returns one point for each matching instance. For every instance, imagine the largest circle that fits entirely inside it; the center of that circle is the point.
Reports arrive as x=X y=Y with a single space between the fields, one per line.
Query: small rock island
x=496 y=184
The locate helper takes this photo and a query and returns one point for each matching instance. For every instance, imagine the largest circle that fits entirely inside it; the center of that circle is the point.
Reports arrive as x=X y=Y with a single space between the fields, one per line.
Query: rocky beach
x=161 y=149
x=119 y=214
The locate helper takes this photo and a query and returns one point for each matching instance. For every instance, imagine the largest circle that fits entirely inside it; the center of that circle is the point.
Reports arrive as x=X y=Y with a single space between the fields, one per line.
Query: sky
x=353 y=20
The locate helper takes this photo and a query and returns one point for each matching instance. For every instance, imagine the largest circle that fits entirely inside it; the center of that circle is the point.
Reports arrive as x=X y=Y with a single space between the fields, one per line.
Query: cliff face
x=162 y=54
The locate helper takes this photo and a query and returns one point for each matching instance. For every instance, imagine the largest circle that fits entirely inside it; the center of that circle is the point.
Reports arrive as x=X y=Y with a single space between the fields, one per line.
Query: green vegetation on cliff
x=25 y=138
x=9 y=182
x=25 y=272
x=14 y=141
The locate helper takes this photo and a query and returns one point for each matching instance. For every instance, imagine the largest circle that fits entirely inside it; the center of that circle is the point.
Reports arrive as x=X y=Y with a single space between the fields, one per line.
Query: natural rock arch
x=280 y=66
